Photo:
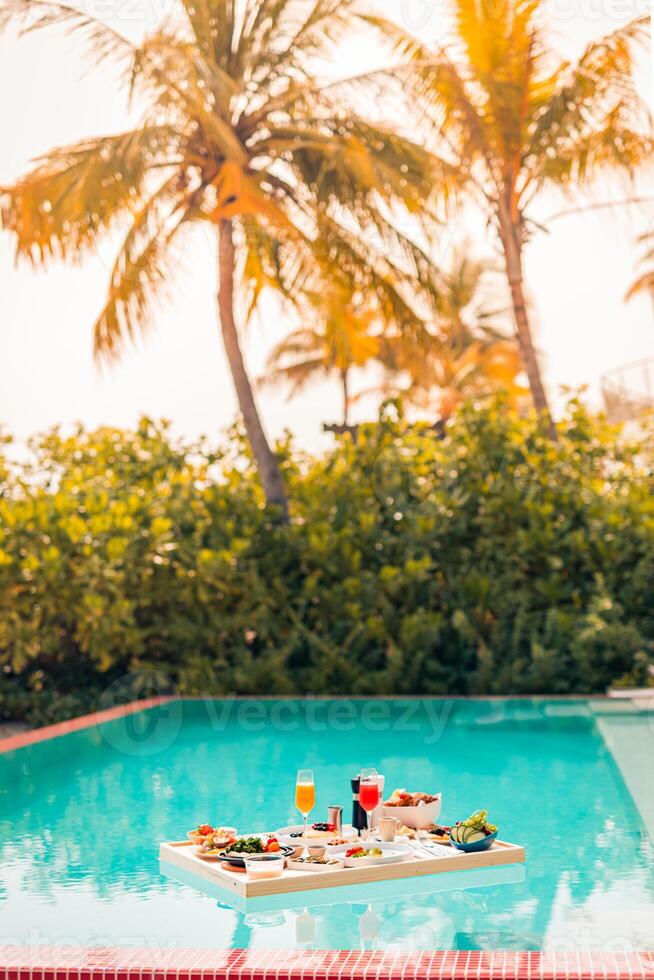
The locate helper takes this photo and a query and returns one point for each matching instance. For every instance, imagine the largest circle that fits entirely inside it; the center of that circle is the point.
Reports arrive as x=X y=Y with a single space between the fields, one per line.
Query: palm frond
x=295 y=377
x=643 y=284
x=102 y=41
x=74 y=193
x=588 y=115
x=142 y=272
x=292 y=34
x=190 y=87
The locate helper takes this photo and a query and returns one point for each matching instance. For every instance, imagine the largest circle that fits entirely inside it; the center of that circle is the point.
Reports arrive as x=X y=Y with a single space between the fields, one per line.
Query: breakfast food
x=400 y=797
x=473 y=829
x=404 y=831
x=206 y=831
x=314 y=859
x=364 y=852
x=247 y=845
x=200 y=834
x=438 y=833
x=215 y=844
x=254 y=845
x=318 y=831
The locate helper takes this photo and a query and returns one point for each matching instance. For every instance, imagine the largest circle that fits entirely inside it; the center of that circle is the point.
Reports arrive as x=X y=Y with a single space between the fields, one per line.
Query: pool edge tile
x=24 y=739
x=52 y=963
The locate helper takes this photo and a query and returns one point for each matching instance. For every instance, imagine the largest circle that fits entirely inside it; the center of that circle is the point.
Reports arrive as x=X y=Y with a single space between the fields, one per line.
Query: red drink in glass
x=369 y=795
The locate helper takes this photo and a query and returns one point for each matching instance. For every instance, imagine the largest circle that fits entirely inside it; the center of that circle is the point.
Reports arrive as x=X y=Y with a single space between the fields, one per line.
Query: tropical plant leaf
x=101 y=40
x=142 y=272
x=75 y=193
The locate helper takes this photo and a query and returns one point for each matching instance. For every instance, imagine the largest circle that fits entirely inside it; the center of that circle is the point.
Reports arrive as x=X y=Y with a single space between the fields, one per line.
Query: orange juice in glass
x=305 y=794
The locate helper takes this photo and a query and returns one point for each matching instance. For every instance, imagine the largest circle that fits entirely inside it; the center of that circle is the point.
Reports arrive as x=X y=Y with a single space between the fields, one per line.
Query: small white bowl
x=262 y=866
x=416 y=817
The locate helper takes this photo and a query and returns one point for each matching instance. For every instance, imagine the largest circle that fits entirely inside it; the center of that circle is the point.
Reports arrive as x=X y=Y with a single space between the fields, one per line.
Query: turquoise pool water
x=81 y=818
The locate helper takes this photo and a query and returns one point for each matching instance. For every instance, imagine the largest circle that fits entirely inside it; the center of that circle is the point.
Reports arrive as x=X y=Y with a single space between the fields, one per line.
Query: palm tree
x=239 y=136
x=439 y=374
x=467 y=353
x=340 y=338
x=515 y=119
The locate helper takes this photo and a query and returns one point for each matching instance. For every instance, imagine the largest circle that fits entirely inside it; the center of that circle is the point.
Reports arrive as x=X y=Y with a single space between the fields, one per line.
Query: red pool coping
x=20 y=741
x=54 y=963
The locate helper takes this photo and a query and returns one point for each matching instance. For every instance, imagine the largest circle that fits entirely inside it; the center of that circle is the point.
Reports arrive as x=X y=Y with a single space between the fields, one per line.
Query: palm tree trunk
x=267 y=462
x=512 y=246
x=346 y=396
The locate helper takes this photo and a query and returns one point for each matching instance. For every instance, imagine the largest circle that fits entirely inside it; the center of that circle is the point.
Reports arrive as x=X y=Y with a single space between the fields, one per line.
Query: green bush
x=487 y=562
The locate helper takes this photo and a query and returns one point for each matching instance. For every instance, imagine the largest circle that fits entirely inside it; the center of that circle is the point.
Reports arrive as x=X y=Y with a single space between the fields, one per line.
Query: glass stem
x=306 y=816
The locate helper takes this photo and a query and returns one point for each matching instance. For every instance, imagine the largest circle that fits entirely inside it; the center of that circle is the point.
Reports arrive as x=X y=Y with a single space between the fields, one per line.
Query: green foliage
x=490 y=561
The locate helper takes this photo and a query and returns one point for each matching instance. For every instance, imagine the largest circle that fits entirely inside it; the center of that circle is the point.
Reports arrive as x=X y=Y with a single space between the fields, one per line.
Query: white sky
x=577 y=275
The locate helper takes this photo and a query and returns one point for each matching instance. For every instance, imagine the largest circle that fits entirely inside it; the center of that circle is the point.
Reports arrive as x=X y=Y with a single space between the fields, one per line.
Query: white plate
x=391 y=853
x=207 y=856
x=400 y=839
x=283 y=835
x=398 y=845
x=297 y=866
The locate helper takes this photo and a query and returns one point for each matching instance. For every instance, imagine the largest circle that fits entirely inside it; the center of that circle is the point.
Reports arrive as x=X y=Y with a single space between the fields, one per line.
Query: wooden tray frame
x=181 y=854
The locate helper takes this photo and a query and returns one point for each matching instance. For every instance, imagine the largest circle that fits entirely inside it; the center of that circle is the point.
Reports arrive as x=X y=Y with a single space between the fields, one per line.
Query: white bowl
x=416 y=817
x=263 y=866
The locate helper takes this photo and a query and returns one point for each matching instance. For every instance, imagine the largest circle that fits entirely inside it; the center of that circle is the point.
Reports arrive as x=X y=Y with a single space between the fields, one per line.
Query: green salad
x=247 y=845
x=479 y=821
x=473 y=829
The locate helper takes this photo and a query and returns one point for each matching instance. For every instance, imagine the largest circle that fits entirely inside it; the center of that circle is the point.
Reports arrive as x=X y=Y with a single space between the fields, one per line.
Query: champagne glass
x=369 y=794
x=305 y=794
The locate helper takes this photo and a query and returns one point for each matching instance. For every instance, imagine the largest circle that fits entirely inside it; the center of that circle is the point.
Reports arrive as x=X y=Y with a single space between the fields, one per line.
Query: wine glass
x=305 y=794
x=369 y=793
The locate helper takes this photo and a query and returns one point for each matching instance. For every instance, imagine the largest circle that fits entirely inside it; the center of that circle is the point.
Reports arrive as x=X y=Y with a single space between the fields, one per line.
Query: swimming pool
x=81 y=818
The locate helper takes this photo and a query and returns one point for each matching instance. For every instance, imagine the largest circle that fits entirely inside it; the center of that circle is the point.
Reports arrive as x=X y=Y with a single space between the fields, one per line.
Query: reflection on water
x=81 y=818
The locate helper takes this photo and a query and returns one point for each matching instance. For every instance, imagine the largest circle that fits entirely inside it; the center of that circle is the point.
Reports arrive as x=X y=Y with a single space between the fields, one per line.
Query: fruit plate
x=292 y=836
x=391 y=854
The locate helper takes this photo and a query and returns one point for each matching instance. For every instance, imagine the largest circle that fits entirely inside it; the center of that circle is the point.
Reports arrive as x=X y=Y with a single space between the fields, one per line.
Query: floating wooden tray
x=182 y=854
